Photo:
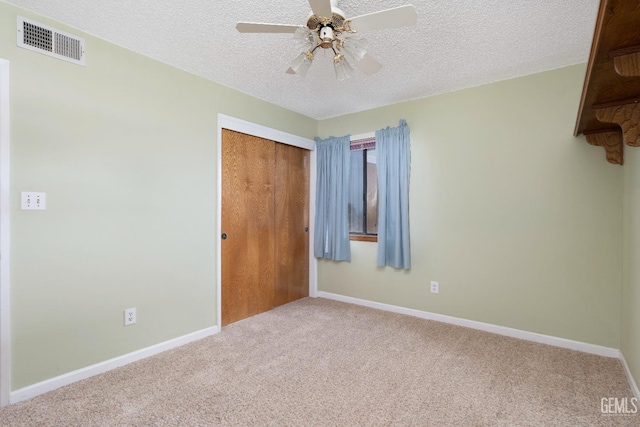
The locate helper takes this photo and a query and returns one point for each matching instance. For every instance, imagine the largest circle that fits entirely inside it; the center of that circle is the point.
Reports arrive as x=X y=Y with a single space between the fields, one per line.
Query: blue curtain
x=394 y=168
x=332 y=199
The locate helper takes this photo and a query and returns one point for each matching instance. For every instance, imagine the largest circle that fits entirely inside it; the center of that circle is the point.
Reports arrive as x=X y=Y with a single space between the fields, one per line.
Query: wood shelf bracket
x=611 y=141
x=625 y=115
x=626 y=62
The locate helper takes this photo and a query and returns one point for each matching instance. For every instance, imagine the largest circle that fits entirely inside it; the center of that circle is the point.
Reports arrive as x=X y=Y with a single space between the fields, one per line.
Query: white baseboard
x=99 y=368
x=632 y=381
x=487 y=327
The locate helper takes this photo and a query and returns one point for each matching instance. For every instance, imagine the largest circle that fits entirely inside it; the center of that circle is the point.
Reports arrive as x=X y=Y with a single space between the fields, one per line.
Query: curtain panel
x=332 y=199
x=394 y=169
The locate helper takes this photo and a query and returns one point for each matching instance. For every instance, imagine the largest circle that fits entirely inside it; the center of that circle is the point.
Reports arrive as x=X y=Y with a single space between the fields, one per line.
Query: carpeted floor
x=317 y=362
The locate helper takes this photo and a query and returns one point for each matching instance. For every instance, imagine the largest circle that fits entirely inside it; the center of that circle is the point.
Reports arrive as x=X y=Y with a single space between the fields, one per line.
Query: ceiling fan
x=327 y=28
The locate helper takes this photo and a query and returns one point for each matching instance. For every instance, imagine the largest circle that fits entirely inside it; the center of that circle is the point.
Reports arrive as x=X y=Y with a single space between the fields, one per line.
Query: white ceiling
x=456 y=44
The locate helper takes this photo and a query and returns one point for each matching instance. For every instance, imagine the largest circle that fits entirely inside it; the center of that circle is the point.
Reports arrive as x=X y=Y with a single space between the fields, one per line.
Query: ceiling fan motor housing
x=327 y=26
x=326 y=37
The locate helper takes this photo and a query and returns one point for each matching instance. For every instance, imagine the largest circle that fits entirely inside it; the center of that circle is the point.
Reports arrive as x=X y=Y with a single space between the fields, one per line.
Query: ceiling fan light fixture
x=343 y=69
x=354 y=48
x=305 y=39
x=301 y=63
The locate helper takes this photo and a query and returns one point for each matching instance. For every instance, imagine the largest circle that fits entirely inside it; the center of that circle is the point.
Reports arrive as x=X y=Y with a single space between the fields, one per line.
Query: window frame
x=364 y=237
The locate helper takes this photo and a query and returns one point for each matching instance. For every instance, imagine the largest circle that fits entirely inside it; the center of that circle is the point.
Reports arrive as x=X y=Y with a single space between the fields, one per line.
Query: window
x=363 y=191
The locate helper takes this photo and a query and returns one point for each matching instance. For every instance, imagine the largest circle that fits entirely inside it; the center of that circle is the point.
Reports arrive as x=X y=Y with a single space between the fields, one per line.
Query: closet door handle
x=224 y=236
x=306 y=229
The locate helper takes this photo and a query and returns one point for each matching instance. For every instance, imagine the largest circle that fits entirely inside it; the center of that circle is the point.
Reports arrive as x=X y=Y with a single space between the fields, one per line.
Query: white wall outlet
x=129 y=316
x=434 y=287
x=32 y=201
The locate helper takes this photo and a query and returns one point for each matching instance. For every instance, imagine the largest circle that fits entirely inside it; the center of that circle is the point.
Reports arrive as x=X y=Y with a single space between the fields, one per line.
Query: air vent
x=41 y=38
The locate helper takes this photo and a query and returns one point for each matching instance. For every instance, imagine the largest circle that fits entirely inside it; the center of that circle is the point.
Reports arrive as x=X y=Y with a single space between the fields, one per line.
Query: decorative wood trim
x=611 y=142
x=363 y=237
x=627 y=116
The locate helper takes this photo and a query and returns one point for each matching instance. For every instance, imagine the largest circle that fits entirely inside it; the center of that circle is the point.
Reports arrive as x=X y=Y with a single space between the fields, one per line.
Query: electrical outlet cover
x=129 y=316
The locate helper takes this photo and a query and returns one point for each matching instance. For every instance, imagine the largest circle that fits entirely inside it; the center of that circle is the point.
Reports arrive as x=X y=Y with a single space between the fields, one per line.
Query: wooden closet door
x=248 y=252
x=291 y=224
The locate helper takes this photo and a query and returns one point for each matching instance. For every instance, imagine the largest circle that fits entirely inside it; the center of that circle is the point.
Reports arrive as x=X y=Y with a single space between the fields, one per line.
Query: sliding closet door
x=291 y=224
x=248 y=245
x=265 y=225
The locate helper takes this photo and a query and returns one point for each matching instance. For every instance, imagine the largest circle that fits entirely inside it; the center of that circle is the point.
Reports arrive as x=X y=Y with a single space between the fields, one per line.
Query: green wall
x=125 y=149
x=519 y=221
x=631 y=285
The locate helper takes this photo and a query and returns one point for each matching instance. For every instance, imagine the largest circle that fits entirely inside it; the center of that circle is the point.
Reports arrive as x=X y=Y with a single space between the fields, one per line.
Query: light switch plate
x=32 y=201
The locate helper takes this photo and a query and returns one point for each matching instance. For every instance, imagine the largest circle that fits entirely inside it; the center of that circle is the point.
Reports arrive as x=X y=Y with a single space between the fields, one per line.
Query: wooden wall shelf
x=609 y=114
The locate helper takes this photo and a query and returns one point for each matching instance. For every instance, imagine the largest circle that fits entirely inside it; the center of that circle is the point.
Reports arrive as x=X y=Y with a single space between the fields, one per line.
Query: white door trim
x=5 y=330
x=238 y=125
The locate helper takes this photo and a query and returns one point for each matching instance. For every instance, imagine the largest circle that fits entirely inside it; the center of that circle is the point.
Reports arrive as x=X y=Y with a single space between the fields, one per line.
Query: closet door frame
x=243 y=126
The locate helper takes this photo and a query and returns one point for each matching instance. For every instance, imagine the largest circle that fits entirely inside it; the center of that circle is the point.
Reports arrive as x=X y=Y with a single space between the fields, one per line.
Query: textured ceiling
x=456 y=44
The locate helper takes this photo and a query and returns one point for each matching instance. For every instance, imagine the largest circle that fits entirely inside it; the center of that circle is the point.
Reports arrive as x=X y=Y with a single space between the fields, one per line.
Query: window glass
x=363 y=193
x=356 y=188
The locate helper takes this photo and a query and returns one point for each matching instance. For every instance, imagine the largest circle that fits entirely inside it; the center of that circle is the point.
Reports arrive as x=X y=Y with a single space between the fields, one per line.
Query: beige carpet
x=317 y=362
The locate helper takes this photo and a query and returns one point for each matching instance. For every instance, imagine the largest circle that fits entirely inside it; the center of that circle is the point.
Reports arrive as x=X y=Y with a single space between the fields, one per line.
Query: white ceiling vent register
x=41 y=38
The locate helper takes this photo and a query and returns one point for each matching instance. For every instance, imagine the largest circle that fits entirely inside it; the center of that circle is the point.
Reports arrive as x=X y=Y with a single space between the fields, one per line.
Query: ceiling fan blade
x=257 y=27
x=368 y=65
x=321 y=7
x=403 y=16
